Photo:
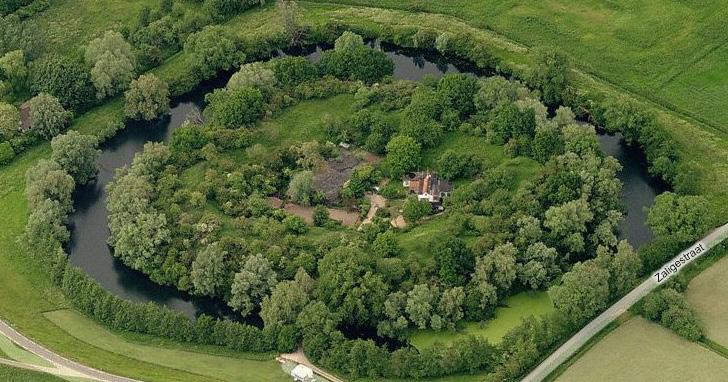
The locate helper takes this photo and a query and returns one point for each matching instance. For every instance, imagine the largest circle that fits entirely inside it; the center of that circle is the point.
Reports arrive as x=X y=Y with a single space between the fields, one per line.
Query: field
x=212 y=366
x=11 y=374
x=654 y=354
x=707 y=294
x=517 y=307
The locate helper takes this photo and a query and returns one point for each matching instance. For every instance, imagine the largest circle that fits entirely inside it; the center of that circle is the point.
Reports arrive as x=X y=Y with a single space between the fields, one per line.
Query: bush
x=63 y=78
x=414 y=210
x=455 y=164
x=212 y=50
x=147 y=98
x=233 y=109
x=669 y=307
x=6 y=153
x=291 y=71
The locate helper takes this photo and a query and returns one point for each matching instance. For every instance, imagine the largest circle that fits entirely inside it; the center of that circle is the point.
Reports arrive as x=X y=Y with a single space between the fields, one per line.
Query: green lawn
x=11 y=351
x=230 y=369
x=517 y=307
x=643 y=351
x=11 y=374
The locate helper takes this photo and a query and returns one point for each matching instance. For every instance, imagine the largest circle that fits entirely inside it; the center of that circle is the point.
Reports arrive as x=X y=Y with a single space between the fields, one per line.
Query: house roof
x=426 y=182
x=302 y=372
x=334 y=174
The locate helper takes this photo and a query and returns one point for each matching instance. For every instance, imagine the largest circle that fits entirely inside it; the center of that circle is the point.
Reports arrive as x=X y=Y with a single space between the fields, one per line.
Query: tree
x=77 y=154
x=385 y=245
x=234 y=108
x=320 y=215
x=251 y=284
x=209 y=273
x=459 y=90
x=421 y=301
x=286 y=301
x=414 y=209
x=450 y=307
x=300 y=189
x=403 y=154
x=212 y=49
x=112 y=61
x=46 y=180
x=625 y=267
x=668 y=307
x=538 y=266
x=580 y=139
x=348 y=41
x=508 y=122
x=497 y=268
x=138 y=242
x=6 y=153
x=453 y=260
x=568 y=222
x=551 y=75
x=680 y=218
x=147 y=98
x=352 y=60
x=583 y=292
x=422 y=115
x=291 y=71
x=627 y=117
x=9 y=121
x=46 y=227
x=547 y=142
x=291 y=21
x=350 y=286
x=255 y=75
x=64 y=78
x=14 y=68
x=454 y=164
x=497 y=91
x=47 y=117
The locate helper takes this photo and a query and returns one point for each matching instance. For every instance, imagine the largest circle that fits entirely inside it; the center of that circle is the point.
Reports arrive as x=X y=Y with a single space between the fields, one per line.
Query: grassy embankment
x=11 y=374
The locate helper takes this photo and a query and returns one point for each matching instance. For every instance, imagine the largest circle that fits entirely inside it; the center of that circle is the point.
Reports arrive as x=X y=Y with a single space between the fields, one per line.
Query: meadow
x=11 y=374
x=706 y=294
x=654 y=354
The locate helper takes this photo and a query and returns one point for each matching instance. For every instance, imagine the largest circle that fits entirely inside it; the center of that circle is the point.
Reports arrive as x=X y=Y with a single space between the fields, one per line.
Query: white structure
x=302 y=373
x=427 y=186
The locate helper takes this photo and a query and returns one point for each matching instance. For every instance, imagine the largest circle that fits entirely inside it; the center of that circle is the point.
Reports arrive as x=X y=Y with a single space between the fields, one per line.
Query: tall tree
x=252 y=284
x=47 y=180
x=47 y=116
x=583 y=292
x=147 y=98
x=77 y=154
x=680 y=218
x=209 y=273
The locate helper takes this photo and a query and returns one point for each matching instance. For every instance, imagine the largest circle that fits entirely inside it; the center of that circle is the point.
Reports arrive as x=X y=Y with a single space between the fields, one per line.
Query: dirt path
x=61 y=366
x=377 y=201
x=346 y=218
x=300 y=357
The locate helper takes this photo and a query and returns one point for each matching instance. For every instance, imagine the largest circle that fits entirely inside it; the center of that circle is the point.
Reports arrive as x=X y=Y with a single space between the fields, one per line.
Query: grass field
x=643 y=351
x=707 y=294
x=215 y=367
x=11 y=374
x=517 y=307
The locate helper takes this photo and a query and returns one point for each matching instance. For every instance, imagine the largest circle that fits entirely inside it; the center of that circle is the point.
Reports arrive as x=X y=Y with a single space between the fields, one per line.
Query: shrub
x=414 y=210
x=234 y=108
x=6 y=153
x=147 y=98
x=291 y=71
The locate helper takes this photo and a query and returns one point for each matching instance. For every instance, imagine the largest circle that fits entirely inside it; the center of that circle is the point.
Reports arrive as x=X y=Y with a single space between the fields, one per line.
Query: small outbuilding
x=25 y=117
x=302 y=373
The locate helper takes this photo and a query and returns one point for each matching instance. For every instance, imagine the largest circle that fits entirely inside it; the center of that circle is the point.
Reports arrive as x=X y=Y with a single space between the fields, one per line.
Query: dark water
x=89 y=250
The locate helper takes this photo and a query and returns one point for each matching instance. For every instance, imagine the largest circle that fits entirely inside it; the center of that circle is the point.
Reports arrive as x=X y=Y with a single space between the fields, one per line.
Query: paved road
x=600 y=322
x=62 y=365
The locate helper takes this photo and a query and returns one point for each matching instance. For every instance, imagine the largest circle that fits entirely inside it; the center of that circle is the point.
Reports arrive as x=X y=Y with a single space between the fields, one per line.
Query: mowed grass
x=707 y=294
x=11 y=374
x=517 y=308
x=643 y=351
x=212 y=366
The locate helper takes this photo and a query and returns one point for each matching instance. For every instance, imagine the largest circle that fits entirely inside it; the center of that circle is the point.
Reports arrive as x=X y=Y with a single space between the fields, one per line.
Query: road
x=600 y=322
x=62 y=366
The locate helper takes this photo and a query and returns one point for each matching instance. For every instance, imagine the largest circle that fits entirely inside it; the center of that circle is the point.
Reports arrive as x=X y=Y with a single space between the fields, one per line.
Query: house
x=302 y=373
x=25 y=117
x=427 y=186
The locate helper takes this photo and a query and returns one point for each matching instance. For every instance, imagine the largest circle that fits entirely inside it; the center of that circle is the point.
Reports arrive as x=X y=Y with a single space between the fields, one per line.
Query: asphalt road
x=62 y=365
x=600 y=322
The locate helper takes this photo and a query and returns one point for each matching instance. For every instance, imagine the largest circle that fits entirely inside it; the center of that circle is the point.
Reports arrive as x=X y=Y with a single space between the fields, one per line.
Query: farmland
x=654 y=354
x=706 y=292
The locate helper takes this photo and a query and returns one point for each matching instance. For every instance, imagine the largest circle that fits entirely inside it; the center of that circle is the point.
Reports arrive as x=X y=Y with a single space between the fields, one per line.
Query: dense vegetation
x=504 y=235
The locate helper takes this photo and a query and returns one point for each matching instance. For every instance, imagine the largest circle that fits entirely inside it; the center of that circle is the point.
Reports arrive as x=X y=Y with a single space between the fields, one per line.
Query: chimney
x=426 y=183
